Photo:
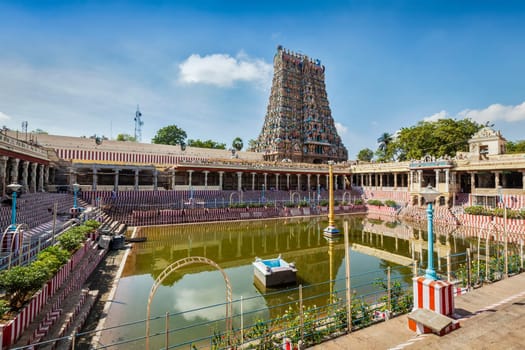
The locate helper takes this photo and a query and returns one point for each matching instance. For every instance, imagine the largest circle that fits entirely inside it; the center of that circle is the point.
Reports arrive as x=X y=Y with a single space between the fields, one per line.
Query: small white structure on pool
x=274 y=272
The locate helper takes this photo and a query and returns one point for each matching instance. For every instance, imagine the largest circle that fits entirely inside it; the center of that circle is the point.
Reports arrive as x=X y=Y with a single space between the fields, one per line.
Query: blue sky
x=80 y=68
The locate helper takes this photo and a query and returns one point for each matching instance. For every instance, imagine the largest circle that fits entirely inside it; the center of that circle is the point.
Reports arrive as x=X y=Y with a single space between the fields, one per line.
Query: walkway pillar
x=136 y=180
x=239 y=181
x=221 y=174
x=95 y=179
x=206 y=172
x=32 y=182
x=115 y=180
x=25 y=175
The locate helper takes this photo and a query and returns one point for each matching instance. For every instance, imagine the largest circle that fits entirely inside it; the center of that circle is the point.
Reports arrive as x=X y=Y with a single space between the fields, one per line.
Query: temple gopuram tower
x=298 y=125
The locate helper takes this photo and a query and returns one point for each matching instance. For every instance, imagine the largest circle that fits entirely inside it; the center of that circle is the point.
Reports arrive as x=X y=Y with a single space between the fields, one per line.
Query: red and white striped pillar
x=434 y=295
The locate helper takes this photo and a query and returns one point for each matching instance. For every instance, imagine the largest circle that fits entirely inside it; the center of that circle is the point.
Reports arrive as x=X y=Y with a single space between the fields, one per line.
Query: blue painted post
x=75 y=190
x=13 y=212
x=430 y=273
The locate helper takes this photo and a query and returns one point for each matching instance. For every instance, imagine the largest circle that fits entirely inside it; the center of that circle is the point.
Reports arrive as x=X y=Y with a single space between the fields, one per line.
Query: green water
x=234 y=246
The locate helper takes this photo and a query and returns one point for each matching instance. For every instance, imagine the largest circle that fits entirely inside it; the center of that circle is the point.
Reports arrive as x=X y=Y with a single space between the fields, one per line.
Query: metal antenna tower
x=138 y=125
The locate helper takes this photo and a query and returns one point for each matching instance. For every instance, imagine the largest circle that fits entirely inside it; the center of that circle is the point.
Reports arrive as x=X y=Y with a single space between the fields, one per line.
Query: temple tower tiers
x=298 y=124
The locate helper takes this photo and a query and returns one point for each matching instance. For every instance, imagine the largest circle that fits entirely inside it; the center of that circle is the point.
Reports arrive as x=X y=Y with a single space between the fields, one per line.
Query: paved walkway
x=491 y=317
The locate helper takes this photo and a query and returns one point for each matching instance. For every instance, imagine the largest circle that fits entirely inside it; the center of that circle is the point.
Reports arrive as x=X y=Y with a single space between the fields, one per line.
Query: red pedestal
x=433 y=295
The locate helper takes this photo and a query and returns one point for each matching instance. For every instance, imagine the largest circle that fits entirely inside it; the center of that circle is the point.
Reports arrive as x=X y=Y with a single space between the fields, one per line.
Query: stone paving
x=491 y=317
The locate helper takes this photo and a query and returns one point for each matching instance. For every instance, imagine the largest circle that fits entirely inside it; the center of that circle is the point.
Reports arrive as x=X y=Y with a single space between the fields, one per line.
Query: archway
x=181 y=263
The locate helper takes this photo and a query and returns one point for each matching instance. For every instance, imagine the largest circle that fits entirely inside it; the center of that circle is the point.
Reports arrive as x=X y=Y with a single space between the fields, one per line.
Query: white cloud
x=4 y=117
x=493 y=113
x=341 y=129
x=436 y=116
x=496 y=112
x=223 y=70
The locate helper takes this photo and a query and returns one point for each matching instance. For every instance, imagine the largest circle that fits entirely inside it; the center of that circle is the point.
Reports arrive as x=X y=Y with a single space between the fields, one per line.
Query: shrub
x=72 y=239
x=20 y=282
x=4 y=307
x=390 y=203
x=358 y=201
x=376 y=202
x=478 y=210
x=93 y=224
x=323 y=202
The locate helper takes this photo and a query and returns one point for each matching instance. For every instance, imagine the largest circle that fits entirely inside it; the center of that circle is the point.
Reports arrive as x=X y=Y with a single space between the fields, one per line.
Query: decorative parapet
x=18 y=146
x=433 y=164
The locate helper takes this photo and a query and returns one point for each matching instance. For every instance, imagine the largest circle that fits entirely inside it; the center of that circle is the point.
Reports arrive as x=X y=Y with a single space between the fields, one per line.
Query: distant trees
x=170 y=135
x=365 y=155
x=516 y=147
x=206 y=144
x=440 y=138
x=126 y=137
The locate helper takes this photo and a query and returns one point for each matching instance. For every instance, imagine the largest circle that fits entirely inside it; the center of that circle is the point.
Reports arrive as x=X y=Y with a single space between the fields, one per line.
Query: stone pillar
x=380 y=181
x=3 y=173
x=95 y=179
x=437 y=178
x=136 y=185
x=221 y=174
x=239 y=181
x=173 y=178
x=155 y=179
x=420 y=179
x=253 y=181
x=41 y=169
x=14 y=170
x=336 y=182
x=288 y=182
x=25 y=173
x=447 y=181
x=497 y=181
x=277 y=182
x=472 y=182
x=32 y=184
x=265 y=180
x=370 y=180
x=395 y=181
x=318 y=181
x=115 y=179
x=308 y=181
x=523 y=179
x=190 y=173
x=46 y=176
x=327 y=182
x=298 y=182
x=206 y=172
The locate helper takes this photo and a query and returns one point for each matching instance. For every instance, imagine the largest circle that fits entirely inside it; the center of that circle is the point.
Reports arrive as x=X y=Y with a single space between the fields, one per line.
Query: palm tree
x=237 y=144
x=384 y=140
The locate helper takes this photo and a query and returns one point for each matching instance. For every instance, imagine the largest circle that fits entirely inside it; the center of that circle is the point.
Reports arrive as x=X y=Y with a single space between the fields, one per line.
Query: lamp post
x=14 y=187
x=76 y=187
x=331 y=229
x=500 y=196
x=430 y=194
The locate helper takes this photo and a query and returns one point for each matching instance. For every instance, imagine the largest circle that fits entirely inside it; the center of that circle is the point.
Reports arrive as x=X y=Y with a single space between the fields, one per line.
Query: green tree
x=206 y=144
x=126 y=137
x=237 y=143
x=443 y=137
x=170 y=135
x=365 y=155
x=516 y=147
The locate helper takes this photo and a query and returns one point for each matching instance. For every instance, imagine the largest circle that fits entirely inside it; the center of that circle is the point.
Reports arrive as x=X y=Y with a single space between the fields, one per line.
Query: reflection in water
x=375 y=245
